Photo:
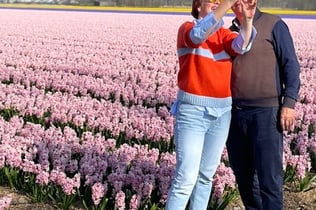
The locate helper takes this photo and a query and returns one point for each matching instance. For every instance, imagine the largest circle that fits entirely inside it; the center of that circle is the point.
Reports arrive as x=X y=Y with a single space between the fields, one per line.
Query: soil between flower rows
x=292 y=200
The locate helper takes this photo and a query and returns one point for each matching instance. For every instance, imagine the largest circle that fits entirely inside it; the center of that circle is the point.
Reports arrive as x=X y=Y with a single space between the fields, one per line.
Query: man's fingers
x=287 y=118
x=249 y=4
x=287 y=124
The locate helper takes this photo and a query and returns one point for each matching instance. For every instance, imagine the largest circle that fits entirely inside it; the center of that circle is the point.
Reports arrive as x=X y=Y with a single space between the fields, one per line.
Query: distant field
x=142 y=9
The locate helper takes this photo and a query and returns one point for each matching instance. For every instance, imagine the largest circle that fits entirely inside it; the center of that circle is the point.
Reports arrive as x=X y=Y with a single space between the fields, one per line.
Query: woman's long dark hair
x=194 y=11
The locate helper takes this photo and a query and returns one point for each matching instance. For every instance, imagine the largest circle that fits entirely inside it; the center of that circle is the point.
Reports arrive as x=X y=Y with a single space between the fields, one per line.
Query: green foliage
x=289 y=174
x=7 y=114
x=10 y=81
x=34 y=191
x=313 y=161
x=61 y=199
x=26 y=182
x=102 y=205
x=3 y=178
x=301 y=185
x=38 y=120
x=311 y=130
x=11 y=176
x=228 y=196
x=305 y=183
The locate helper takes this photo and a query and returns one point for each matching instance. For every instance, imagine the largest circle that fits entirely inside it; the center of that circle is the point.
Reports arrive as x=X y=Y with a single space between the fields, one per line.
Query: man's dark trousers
x=255 y=149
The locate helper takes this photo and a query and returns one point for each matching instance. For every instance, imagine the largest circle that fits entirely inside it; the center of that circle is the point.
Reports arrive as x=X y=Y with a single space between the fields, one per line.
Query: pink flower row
x=136 y=122
x=49 y=154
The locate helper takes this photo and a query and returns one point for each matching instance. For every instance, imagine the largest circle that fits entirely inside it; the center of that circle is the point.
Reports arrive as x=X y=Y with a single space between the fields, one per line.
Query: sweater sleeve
x=204 y=28
x=288 y=63
x=239 y=41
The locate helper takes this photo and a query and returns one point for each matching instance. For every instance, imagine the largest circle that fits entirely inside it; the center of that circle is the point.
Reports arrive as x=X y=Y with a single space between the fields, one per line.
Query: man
x=265 y=85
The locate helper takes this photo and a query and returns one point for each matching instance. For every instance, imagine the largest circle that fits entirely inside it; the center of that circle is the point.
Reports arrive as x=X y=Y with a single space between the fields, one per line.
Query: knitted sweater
x=205 y=66
x=267 y=76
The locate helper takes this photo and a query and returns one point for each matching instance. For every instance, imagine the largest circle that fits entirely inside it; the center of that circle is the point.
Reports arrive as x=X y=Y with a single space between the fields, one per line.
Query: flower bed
x=84 y=108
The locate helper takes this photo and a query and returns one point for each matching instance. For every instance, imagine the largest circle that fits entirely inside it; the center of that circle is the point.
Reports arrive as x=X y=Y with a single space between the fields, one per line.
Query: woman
x=203 y=105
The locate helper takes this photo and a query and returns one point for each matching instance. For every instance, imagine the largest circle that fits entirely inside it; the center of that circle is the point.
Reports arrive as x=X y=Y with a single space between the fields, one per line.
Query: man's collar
x=236 y=22
x=258 y=13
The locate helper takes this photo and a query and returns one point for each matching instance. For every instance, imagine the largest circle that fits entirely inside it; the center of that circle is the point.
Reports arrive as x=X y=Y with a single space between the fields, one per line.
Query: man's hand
x=287 y=118
x=248 y=8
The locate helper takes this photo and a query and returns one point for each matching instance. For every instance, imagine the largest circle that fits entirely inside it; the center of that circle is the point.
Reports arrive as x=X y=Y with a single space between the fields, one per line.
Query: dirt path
x=292 y=201
x=22 y=202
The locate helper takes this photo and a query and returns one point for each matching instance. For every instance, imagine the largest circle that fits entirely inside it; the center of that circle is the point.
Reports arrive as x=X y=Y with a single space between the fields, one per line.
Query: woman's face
x=208 y=6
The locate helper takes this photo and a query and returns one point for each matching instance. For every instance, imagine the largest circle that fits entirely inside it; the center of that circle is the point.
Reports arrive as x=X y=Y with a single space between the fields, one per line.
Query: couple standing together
x=237 y=87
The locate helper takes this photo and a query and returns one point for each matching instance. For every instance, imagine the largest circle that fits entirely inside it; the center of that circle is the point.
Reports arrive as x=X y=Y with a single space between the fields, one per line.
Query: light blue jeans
x=200 y=138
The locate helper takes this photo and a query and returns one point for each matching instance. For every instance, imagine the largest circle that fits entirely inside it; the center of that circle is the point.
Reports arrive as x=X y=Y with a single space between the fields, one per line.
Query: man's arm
x=248 y=11
x=288 y=63
x=289 y=71
x=247 y=32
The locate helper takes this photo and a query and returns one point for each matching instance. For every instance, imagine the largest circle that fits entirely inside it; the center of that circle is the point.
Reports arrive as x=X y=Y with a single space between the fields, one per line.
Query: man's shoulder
x=266 y=20
x=270 y=16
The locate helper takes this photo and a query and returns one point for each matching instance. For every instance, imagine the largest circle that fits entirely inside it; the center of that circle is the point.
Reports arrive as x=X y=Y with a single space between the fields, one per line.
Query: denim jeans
x=199 y=140
x=255 y=150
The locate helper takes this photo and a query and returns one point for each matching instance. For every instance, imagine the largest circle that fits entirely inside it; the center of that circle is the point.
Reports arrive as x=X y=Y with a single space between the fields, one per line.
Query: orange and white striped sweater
x=205 y=62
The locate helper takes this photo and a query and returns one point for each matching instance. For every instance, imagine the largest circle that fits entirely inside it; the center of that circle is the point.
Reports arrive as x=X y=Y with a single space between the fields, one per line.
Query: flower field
x=84 y=109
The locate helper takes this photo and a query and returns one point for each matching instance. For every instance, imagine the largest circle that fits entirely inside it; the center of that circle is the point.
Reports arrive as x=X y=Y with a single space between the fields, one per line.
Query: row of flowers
x=127 y=85
x=97 y=115
x=132 y=123
x=59 y=158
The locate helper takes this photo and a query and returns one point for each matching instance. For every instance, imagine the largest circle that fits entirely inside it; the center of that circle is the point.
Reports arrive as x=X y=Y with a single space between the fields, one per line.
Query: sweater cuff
x=205 y=27
x=289 y=102
x=239 y=41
